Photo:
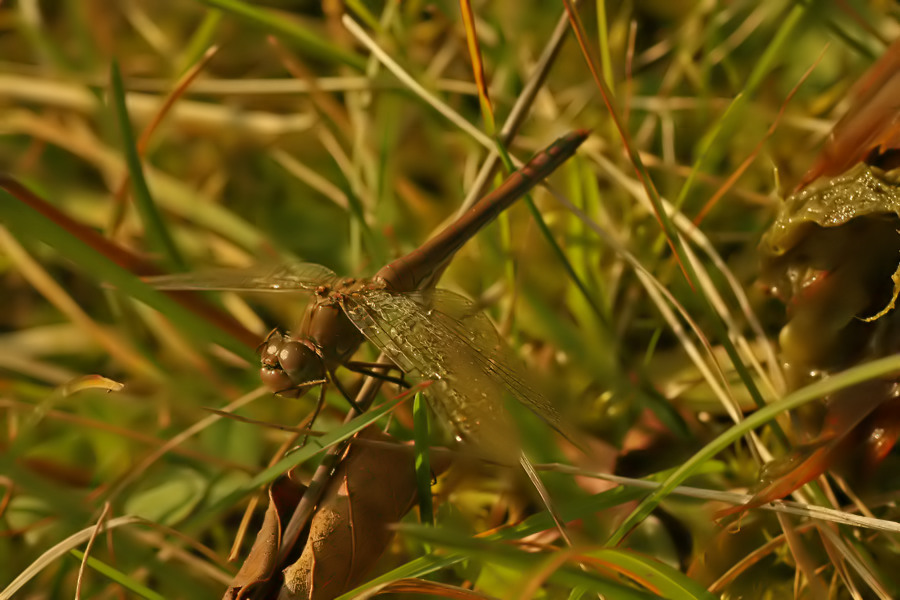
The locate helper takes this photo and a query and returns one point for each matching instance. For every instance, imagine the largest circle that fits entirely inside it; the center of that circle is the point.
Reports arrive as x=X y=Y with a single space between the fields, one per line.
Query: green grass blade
x=314 y=447
x=292 y=30
x=584 y=508
x=202 y=39
x=877 y=368
x=423 y=462
x=157 y=233
x=118 y=576
x=28 y=223
x=528 y=563
x=660 y=577
x=551 y=241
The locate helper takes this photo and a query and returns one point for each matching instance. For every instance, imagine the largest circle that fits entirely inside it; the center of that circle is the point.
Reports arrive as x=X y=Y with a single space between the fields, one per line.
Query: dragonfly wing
x=441 y=336
x=468 y=321
x=286 y=277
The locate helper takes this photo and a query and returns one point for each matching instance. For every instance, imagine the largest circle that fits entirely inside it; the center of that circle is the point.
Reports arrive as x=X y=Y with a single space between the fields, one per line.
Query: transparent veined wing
x=440 y=336
x=280 y=278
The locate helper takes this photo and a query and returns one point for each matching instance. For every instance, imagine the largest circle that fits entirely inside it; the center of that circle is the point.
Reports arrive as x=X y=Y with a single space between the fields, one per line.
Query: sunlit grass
x=348 y=140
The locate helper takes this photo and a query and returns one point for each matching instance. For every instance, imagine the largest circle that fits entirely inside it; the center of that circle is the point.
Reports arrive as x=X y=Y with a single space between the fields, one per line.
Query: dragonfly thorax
x=289 y=365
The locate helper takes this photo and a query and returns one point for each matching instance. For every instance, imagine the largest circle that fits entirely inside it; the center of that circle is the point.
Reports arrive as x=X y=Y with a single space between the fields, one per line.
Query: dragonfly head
x=288 y=366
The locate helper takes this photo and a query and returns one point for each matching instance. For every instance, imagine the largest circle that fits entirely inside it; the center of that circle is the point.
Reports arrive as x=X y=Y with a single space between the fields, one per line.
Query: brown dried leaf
x=853 y=415
x=374 y=487
x=871 y=123
x=260 y=563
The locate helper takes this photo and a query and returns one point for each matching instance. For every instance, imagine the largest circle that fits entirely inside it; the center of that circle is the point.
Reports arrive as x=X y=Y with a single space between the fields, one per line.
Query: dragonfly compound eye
x=275 y=379
x=300 y=362
x=287 y=363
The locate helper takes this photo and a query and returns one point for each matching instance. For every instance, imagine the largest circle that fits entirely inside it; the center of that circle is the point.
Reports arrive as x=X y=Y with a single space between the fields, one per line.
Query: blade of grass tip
x=158 y=236
x=877 y=368
x=117 y=576
x=144 y=141
x=675 y=241
x=723 y=189
x=282 y=23
x=202 y=39
x=31 y=223
x=487 y=110
x=423 y=463
x=545 y=498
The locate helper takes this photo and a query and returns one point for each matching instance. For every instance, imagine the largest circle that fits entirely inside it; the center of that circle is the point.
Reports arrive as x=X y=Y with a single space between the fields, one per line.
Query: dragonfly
x=432 y=335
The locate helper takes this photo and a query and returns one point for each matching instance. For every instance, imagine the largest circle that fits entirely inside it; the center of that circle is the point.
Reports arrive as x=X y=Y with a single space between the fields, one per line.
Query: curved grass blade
x=654 y=575
x=877 y=368
x=156 y=230
x=113 y=574
x=292 y=30
x=29 y=222
x=675 y=241
x=658 y=579
x=428 y=564
x=315 y=446
x=60 y=549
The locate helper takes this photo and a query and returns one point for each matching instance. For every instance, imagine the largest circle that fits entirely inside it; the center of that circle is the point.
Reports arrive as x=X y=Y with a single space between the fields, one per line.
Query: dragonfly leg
x=368 y=369
x=343 y=391
x=311 y=419
x=300 y=388
x=355 y=364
